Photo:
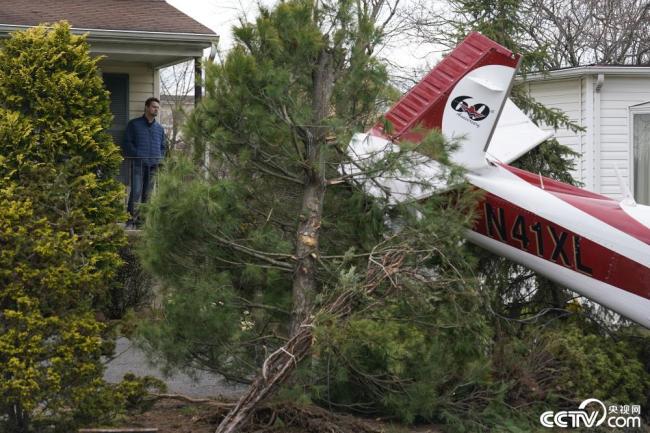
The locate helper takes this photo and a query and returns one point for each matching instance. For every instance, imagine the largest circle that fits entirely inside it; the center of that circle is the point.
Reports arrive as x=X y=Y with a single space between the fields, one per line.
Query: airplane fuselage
x=584 y=241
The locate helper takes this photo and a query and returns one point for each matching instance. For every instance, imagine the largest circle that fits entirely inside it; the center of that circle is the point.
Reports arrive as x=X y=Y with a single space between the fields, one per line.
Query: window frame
x=642 y=108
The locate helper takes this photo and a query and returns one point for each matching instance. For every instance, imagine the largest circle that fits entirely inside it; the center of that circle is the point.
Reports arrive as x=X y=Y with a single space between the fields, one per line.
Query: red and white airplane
x=584 y=241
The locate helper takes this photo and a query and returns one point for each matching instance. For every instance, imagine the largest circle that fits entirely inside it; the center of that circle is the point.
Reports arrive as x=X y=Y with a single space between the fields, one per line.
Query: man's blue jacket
x=144 y=141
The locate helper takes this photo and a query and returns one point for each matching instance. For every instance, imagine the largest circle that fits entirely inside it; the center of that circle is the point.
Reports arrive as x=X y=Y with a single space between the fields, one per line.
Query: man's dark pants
x=142 y=173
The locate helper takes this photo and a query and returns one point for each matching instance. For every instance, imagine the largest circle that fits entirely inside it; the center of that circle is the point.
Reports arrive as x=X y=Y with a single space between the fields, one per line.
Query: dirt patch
x=173 y=416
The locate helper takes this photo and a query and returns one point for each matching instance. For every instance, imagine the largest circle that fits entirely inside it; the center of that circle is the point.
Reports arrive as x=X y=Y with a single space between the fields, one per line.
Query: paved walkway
x=133 y=360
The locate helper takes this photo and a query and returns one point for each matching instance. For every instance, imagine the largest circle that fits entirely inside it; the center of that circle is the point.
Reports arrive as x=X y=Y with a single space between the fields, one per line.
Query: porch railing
x=138 y=168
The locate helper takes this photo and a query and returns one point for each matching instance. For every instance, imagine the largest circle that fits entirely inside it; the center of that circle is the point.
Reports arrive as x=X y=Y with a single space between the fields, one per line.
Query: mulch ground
x=173 y=416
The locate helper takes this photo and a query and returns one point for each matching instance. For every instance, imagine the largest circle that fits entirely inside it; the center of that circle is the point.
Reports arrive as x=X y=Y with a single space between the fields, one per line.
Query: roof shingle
x=134 y=15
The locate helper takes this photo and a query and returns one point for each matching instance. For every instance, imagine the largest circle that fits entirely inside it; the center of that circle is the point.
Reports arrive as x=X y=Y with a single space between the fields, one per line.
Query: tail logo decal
x=475 y=112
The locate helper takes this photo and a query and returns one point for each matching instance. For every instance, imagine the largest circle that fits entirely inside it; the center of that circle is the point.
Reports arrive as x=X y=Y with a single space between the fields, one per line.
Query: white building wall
x=602 y=107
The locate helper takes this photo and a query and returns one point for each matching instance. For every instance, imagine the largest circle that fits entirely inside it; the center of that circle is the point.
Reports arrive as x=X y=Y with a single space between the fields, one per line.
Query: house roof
x=579 y=71
x=126 y=15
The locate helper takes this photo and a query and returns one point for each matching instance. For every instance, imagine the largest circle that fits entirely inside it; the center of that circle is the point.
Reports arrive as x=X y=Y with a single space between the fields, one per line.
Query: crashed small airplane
x=587 y=242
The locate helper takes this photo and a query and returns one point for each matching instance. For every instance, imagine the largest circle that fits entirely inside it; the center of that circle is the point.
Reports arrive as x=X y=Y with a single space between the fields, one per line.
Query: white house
x=135 y=40
x=612 y=103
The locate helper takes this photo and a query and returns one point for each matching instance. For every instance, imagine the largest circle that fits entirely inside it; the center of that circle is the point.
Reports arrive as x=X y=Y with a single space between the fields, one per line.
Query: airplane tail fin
x=463 y=96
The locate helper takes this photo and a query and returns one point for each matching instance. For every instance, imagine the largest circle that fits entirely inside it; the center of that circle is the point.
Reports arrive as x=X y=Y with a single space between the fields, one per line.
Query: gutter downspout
x=581 y=135
x=597 y=133
x=590 y=155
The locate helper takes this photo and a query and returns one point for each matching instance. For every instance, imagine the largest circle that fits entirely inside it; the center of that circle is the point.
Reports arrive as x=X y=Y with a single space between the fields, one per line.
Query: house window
x=118 y=86
x=641 y=152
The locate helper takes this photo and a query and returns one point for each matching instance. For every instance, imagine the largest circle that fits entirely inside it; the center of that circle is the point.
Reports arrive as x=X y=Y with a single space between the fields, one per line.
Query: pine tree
x=276 y=118
x=59 y=205
x=271 y=249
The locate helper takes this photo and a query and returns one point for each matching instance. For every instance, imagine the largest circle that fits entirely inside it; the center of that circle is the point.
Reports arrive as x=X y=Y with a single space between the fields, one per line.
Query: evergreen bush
x=59 y=208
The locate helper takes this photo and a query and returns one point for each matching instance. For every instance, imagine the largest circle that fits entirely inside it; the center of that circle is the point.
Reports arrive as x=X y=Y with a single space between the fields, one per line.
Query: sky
x=218 y=15
x=222 y=15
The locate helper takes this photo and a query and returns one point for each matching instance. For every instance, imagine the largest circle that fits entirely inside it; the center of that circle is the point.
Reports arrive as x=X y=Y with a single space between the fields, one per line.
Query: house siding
x=568 y=96
x=617 y=95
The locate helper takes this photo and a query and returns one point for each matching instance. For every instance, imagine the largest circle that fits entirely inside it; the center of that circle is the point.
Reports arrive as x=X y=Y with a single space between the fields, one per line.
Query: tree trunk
x=311 y=212
x=304 y=281
x=280 y=364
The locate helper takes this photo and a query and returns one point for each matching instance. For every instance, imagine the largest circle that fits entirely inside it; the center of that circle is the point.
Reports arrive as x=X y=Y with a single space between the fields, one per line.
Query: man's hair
x=150 y=100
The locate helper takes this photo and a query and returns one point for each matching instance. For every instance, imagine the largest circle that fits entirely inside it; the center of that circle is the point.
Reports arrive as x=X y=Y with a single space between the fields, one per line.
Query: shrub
x=59 y=205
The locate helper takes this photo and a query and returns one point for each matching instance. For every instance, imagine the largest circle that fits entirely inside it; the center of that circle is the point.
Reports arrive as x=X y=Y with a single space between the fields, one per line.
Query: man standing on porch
x=144 y=147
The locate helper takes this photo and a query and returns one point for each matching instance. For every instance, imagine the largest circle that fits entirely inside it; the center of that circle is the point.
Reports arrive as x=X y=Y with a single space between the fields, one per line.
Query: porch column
x=198 y=81
x=156 y=83
x=198 y=94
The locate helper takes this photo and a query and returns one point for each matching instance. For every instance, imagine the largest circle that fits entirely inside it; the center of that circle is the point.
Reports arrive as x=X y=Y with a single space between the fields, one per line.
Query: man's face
x=152 y=109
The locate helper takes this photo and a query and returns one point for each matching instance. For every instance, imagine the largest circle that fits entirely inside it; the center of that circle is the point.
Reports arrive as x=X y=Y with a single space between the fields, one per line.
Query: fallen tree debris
x=280 y=364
